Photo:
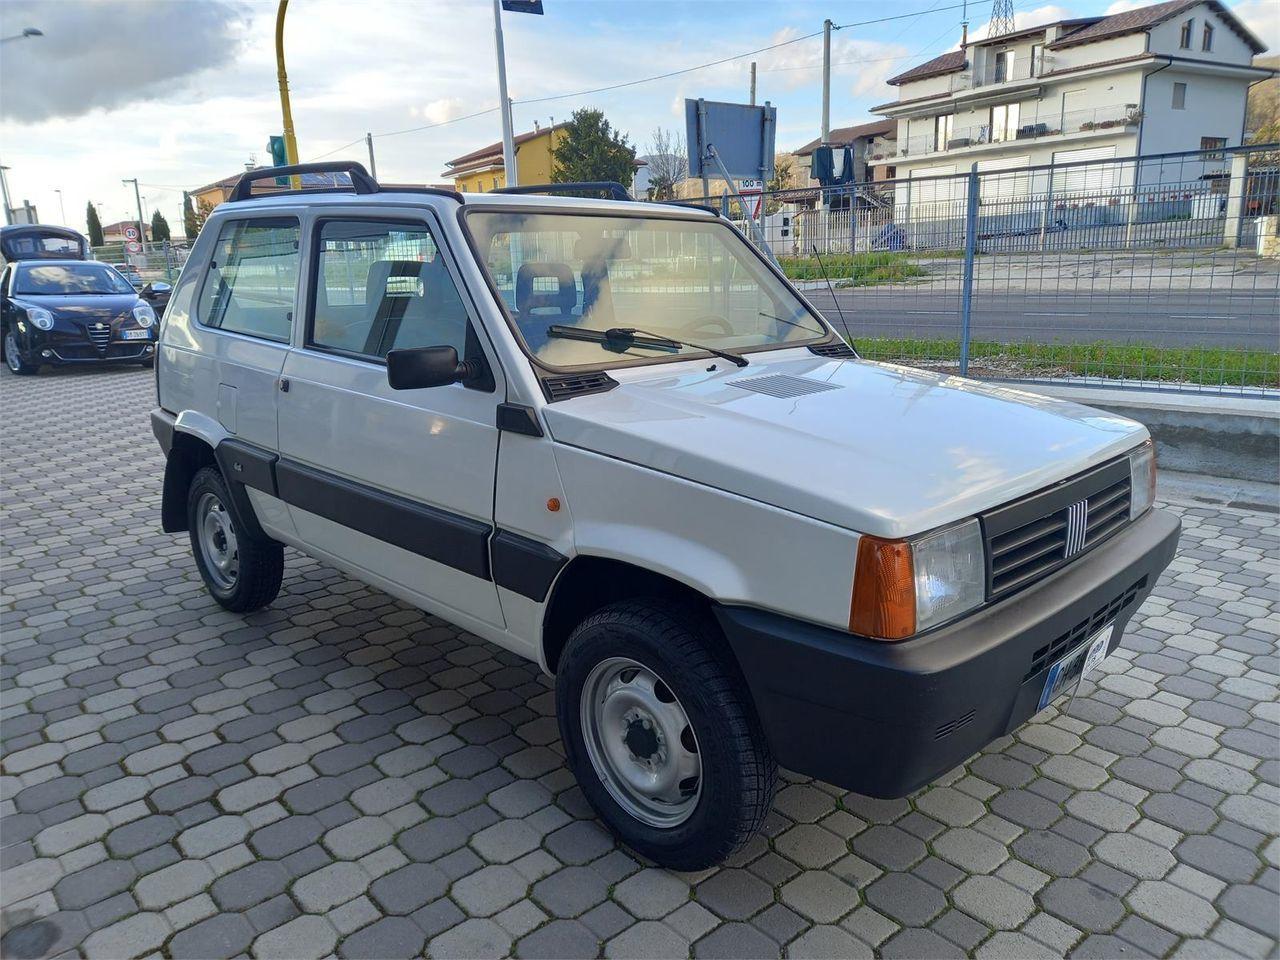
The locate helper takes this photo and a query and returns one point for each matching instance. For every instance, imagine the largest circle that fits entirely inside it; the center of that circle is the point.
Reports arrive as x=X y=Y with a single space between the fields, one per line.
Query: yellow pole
x=290 y=141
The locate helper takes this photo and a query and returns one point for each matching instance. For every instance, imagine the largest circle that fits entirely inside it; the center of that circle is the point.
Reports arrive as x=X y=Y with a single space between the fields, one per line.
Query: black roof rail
x=361 y=182
x=615 y=190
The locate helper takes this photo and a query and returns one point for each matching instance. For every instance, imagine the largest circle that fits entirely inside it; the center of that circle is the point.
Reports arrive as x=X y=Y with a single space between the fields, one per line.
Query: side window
x=382 y=286
x=253 y=279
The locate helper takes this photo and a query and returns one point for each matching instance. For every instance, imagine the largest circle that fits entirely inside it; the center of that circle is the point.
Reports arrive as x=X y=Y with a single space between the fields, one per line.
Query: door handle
x=284 y=384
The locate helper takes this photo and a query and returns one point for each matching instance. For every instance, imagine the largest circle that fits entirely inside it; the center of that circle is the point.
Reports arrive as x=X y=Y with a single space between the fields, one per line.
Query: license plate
x=134 y=334
x=1076 y=666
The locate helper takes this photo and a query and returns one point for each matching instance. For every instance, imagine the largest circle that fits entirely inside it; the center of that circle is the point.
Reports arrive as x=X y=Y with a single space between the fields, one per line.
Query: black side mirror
x=147 y=292
x=419 y=367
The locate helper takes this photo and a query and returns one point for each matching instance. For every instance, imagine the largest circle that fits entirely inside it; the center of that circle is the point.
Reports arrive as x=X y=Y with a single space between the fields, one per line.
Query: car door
x=398 y=484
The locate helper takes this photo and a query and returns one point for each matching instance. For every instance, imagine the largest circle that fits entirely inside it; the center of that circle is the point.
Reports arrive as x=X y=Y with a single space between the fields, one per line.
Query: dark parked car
x=157 y=293
x=72 y=311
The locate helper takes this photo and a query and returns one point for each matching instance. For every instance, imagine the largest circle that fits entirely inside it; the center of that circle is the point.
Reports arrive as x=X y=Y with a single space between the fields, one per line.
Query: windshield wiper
x=634 y=336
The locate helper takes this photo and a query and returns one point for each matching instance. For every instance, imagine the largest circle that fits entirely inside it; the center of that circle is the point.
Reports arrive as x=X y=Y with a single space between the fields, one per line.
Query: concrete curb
x=1231 y=437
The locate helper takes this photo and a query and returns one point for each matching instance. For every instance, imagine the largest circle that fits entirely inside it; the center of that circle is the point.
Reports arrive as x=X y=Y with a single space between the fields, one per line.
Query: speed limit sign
x=133 y=246
x=131 y=233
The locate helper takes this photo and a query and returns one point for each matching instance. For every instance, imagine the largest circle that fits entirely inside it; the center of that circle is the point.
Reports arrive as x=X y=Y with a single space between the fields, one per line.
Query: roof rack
x=361 y=182
x=615 y=190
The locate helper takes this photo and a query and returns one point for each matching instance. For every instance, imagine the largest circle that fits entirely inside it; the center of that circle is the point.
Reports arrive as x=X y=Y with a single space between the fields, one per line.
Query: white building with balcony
x=1158 y=79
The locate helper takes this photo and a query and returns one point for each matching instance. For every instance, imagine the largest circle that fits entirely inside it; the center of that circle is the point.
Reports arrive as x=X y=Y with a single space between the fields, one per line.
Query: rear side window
x=252 y=281
x=381 y=286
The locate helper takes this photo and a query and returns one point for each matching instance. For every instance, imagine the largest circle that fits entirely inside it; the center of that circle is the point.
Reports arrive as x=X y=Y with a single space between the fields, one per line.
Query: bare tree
x=668 y=164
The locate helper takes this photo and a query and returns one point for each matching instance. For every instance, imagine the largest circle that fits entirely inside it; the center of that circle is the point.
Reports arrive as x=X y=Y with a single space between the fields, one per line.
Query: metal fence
x=1162 y=271
x=155 y=260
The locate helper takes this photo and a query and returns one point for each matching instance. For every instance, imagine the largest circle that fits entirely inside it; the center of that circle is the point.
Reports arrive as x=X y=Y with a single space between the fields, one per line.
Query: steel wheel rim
x=641 y=742
x=11 y=353
x=218 y=544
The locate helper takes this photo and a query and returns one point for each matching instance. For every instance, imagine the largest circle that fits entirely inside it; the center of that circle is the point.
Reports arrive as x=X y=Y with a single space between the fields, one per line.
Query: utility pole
x=826 y=80
x=504 y=102
x=753 y=83
x=61 y=209
x=4 y=188
x=373 y=167
x=137 y=195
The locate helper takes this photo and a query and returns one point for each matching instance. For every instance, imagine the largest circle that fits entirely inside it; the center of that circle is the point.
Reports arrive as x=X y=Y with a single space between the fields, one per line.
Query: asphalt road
x=1173 y=318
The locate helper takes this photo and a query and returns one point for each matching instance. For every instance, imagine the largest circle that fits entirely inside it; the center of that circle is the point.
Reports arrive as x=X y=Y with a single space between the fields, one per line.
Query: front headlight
x=1142 y=479
x=144 y=315
x=901 y=587
x=41 y=317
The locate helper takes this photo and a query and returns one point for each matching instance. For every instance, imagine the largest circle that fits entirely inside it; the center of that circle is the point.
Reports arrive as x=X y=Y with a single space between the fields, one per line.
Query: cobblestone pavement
x=341 y=774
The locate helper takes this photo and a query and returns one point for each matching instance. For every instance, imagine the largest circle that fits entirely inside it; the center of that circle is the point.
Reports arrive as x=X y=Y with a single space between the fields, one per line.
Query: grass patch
x=862 y=268
x=1211 y=366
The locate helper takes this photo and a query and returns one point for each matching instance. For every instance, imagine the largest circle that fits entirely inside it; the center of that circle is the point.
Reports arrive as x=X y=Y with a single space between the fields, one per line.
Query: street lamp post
x=282 y=78
x=142 y=230
x=4 y=190
x=504 y=103
x=28 y=32
x=61 y=208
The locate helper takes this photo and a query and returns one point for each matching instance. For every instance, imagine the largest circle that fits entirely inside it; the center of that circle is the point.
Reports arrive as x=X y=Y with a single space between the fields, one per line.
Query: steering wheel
x=706 y=320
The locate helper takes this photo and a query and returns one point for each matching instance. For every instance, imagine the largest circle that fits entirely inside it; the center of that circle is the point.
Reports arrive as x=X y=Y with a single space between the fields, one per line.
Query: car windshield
x=53 y=279
x=691 y=280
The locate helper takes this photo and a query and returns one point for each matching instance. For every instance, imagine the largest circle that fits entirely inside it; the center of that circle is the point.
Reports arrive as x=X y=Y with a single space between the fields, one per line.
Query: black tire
x=682 y=647
x=260 y=560
x=13 y=359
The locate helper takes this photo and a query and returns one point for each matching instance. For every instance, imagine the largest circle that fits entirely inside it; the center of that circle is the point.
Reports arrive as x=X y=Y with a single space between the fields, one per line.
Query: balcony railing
x=993 y=73
x=1073 y=121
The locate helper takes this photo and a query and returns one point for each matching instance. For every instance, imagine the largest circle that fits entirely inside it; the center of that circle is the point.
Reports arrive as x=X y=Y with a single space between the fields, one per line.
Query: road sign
x=131 y=233
x=133 y=246
x=522 y=6
x=742 y=135
x=752 y=191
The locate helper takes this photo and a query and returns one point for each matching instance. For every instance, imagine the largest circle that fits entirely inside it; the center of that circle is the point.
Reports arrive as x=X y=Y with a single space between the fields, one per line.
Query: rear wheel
x=241 y=571
x=661 y=735
x=13 y=359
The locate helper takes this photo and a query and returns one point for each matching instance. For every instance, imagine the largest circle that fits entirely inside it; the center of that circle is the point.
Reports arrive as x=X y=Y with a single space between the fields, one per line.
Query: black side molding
x=447 y=538
x=162 y=425
x=517 y=418
x=525 y=566
x=246 y=463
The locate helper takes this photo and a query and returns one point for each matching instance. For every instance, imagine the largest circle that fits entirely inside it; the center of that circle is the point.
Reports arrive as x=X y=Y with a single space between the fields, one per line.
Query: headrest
x=563 y=298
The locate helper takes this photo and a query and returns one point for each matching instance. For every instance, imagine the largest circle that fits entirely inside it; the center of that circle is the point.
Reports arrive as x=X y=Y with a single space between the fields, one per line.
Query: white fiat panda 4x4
x=611 y=437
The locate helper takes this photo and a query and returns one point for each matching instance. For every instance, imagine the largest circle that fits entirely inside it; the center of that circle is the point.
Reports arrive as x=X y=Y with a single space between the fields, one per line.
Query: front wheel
x=661 y=735
x=241 y=571
x=13 y=358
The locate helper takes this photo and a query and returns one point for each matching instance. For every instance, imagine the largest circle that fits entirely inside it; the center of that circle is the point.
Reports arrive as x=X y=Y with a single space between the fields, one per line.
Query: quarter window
x=381 y=286
x=252 y=281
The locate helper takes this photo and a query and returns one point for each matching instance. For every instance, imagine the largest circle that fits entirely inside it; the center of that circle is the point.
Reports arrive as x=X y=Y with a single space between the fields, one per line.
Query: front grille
x=575 y=385
x=99 y=336
x=1082 y=631
x=1032 y=537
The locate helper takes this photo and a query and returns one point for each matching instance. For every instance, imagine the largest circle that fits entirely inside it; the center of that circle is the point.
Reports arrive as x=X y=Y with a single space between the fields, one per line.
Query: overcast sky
x=179 y=93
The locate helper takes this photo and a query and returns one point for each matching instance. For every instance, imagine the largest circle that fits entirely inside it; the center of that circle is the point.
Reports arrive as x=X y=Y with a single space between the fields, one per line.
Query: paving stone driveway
x=341 y=774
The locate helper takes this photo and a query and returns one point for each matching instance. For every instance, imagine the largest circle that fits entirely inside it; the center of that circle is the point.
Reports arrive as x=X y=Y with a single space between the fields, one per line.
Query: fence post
x=970 y=247
x=1048 y=208
x=1235 y=199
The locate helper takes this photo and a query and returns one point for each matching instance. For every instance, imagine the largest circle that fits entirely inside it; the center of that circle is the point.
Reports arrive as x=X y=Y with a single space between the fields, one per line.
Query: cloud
x=106 y=54
x=1261 y=17
x=440 y=111
x=1049 y=13
x=1120 y=6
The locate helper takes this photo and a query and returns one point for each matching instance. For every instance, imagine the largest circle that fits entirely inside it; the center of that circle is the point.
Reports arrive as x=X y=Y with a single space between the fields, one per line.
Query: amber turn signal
x=884 y=595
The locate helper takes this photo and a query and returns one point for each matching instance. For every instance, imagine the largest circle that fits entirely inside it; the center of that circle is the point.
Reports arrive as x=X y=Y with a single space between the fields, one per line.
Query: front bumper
x=886 y=718
x=69 y=347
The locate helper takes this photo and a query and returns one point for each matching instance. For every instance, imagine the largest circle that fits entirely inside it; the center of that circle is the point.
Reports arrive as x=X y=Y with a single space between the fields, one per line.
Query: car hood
x=877 y=448
x=84 y=307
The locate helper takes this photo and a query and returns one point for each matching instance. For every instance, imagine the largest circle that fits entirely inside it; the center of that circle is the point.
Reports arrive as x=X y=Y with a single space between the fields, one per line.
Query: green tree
x=190 y=225
x=94 y=224
x=159 y=227
x=591 y=149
